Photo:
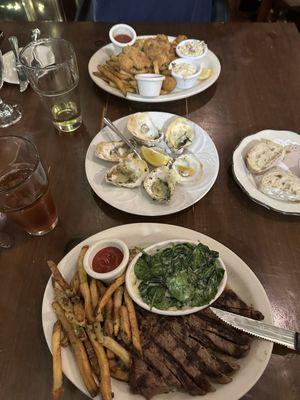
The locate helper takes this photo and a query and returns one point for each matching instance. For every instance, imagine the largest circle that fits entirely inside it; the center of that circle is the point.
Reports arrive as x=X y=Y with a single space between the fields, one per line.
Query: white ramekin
x=131 y=281
x=191 y=58
x=121 y=29
x=149 y=85
x=93 y=250
x=185 y=83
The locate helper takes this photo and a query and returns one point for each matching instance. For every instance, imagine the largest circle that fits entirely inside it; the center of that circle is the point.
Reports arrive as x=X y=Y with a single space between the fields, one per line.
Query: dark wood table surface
x=259 y=88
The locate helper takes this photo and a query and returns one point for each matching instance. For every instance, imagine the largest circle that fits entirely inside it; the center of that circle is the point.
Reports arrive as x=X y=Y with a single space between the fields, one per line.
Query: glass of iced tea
x=25 y=195
x=52 y=70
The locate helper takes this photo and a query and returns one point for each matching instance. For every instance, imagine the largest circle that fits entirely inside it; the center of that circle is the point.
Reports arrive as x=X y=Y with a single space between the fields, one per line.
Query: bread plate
x=240 y=278
x=290 y=162
x=104 y=53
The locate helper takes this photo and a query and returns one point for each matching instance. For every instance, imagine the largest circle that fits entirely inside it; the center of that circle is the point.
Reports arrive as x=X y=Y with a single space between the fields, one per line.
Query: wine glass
x=9 y=114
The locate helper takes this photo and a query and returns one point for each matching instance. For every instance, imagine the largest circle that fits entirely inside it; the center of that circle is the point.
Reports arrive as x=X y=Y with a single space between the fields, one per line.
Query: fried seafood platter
x=112 y=338
x=150 y=55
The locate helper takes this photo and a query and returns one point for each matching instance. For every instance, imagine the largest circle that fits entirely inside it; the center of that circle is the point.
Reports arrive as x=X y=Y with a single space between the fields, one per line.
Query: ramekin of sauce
x=106 y=260
x=122 y=35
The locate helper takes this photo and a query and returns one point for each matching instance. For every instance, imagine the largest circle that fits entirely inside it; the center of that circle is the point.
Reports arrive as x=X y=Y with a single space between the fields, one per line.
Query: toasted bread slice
x=263 y=156
x=281 y=185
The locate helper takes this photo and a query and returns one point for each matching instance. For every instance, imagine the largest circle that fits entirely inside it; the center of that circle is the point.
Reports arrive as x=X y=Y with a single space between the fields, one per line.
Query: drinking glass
x=9 y=114
x=25 y=195
x=51 y=68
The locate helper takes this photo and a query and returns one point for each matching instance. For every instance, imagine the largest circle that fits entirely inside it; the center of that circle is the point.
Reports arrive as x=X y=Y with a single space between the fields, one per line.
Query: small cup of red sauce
x=122 y=35
x=106 y=260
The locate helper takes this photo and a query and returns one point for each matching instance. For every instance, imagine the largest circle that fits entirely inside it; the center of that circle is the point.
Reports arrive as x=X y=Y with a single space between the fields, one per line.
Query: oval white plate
x=244 y=178
x=240 y=278
x=103 y=54
x=136 y=201
x=10 y=73
x=134 y=292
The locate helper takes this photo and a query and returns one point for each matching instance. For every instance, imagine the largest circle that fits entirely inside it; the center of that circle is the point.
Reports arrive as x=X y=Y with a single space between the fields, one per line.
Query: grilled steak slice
x=175 y=375
x=143 y=380
x=183 y=356
x=203 y=321
x=225 y=346
x=230 y=301
x=205 y=360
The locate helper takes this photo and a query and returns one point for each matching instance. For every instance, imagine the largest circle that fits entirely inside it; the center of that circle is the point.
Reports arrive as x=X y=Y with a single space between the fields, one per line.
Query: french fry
x=107 y=295
x=108 y=321
x=117 y=296
x=57 y=388
x=110 y=355
x=117 y=349
x=92 y=356
x=94 y=293
x=84 y=287
x=64 y=341
x=66 y=304
x=104 y=378
x=120 y=374
x=125 y=325
x=135 y=334
x=79 y=312
x=75 y=283
x=155 y=66
x=79 y=351
x=59 y=278
x=101 y=288
x=114 y=79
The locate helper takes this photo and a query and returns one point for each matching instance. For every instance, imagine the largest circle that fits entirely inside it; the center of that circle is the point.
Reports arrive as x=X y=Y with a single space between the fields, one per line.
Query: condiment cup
x=149 y=84
x=121 y=29
x=190 y=58
x=132 y=282
x=189 y=81
x=106 y=277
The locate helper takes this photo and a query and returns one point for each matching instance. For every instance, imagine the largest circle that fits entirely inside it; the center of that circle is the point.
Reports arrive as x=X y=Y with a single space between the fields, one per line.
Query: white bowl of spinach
x=176 y=277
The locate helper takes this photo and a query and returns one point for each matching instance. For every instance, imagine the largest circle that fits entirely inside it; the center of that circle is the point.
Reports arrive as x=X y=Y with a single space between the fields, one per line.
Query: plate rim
x=161 y=98
x=162 y=228
x=236 y=175
x=163 y=212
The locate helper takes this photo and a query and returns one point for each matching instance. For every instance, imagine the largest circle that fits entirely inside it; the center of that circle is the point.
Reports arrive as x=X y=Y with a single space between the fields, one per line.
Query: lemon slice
x=154 y=157
x=205 y=73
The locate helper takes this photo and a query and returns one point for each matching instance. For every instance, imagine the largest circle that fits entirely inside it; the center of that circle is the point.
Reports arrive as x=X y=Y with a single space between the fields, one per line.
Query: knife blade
x=20 y=71
x=285 y=337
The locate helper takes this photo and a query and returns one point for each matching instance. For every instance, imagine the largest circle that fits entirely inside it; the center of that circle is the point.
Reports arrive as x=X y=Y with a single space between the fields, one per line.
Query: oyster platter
x=178 y=164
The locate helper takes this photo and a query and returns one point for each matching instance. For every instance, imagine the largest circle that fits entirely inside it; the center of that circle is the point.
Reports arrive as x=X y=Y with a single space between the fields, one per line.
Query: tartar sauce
x=184 y=69
x=193 y=48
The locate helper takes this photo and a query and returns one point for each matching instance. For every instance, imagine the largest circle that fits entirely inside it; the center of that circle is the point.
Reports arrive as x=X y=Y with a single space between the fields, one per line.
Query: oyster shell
x=179 y=135
x=143 y=130
x=113 y=151
x=189 y=168
x=128 y=173
x=160 y=184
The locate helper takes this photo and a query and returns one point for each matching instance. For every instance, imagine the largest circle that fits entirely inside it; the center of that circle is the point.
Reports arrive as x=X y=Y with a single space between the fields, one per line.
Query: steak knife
x=20 y=71
x=260 y=329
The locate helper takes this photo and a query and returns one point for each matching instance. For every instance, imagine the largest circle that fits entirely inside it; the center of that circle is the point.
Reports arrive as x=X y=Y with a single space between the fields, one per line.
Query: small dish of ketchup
x=121 y=35
x=106 y=259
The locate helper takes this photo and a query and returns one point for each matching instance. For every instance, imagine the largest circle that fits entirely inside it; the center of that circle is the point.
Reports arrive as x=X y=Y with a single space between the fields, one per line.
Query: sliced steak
x=183 y=356
x=143 y=380
x=230 y=301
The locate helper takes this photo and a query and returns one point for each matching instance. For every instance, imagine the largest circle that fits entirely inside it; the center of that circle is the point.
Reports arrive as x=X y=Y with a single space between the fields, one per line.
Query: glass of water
x=52 y=70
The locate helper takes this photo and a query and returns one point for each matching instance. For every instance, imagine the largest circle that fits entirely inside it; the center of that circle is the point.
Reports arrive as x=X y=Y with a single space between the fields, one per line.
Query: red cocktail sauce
x=122 y=38
x=107 y=259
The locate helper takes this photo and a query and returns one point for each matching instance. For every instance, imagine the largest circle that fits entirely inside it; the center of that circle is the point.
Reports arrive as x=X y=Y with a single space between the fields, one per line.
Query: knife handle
x=15 y=46
x=297 y=341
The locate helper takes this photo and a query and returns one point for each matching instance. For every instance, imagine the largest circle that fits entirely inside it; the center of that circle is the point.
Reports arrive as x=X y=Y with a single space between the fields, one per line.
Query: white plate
x=244 y=178
x=240 y=277
x=136 y=201
x=103 y=54
x=10 y=73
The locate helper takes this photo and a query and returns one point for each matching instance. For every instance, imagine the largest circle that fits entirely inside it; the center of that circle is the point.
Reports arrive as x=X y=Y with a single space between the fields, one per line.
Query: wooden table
x=259 y=87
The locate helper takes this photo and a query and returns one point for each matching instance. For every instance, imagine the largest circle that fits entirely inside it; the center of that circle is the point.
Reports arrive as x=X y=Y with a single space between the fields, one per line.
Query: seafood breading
x=151 y=55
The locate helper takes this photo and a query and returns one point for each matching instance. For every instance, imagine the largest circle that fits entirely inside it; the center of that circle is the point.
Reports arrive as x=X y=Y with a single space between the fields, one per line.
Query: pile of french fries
x=99 y=323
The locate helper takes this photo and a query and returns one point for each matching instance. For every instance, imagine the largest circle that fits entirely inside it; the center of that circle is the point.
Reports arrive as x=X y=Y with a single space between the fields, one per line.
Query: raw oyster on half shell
x=128 y=173
x=143 y=129
x=113 y=151
x=160 y=183
x=179 y=135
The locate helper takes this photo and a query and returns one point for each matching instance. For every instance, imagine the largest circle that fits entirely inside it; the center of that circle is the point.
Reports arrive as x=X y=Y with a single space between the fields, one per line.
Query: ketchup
x=107 y=259
x=122 y=38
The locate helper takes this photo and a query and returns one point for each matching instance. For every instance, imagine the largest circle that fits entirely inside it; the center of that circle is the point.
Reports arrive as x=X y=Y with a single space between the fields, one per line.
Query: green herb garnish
x=182 y=275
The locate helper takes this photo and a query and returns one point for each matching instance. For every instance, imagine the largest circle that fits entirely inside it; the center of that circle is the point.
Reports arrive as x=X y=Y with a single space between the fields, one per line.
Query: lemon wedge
x=154 y=157
x=205 y=73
